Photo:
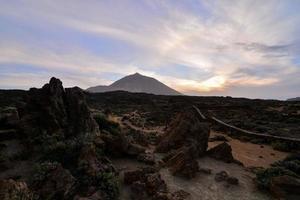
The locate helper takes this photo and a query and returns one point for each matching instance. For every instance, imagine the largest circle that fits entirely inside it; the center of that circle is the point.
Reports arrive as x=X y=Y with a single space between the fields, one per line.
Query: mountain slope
x=137 y=83
x=294 y=99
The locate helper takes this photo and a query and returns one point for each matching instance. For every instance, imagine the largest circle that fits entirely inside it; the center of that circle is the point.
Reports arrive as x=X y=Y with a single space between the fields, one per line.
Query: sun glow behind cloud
x=198 y=47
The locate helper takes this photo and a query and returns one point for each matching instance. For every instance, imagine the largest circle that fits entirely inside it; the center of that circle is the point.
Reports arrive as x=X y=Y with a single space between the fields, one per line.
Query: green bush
x=291 y=163
x=105 y=124
x=107 y=182
x=63 y=152
x=42 y=169
x=264 y=176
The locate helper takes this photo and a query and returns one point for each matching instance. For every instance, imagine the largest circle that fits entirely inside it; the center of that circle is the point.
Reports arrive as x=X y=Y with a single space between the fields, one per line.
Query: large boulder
x=222 y=152
x=285 y=187
x=185 y=129
x=14 y=190
x=183 y=162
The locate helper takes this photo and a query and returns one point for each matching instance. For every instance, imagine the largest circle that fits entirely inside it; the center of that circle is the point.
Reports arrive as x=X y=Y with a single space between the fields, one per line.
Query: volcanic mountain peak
x=137 y=83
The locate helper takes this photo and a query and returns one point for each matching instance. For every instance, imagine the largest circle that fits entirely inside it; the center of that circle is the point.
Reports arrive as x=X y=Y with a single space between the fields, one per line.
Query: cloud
x=249 y=44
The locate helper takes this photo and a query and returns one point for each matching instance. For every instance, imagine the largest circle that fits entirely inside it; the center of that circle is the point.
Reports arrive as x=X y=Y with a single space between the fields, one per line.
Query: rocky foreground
x=53 y=146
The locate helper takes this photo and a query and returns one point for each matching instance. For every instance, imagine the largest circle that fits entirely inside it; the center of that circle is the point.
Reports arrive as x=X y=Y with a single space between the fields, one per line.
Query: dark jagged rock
x=285 y=187
x=14 y=190
x=54 y=110
x=222 y=152
x=185 y=140
x=118 y=145
x=185 y=129
x=183 y=163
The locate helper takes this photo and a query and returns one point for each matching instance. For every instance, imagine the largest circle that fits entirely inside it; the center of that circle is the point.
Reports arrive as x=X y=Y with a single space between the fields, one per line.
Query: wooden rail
x=246 y=132
x=199 y=112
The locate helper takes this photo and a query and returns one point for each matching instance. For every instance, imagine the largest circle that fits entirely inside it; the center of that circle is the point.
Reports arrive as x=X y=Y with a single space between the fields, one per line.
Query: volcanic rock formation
x=185 y=139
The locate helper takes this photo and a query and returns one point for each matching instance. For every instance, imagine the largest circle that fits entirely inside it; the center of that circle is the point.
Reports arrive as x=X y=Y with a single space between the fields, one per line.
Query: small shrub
x=281 y=146
x=263 y=177
x=42 y=170
x=108 y=125
x=107 y=182
x=291 y=163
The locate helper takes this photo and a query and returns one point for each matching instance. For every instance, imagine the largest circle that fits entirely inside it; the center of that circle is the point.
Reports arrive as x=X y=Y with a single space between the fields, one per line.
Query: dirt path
x=251 y=154
x=158 y=129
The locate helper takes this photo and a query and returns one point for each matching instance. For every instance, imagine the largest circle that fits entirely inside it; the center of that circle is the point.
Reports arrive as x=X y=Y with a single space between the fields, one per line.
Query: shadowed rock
x=185 y=129
x=187 y=139
x=55 y=110
x=222 y=152
x=183 y=163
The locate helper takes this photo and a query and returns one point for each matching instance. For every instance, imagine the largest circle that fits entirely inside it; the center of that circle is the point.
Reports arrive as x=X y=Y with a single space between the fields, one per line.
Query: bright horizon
x=221 y=48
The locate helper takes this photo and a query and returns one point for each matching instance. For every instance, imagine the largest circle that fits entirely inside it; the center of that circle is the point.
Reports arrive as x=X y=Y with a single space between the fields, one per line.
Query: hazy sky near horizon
x=198 y=47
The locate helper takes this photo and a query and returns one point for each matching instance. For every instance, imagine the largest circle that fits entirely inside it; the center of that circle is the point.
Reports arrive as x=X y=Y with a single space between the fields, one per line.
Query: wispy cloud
x=248 y=44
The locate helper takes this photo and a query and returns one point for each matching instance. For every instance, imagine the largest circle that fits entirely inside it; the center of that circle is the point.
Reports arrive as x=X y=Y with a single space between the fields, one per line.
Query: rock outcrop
x=285 y=187
x=185 y=140
x=185 y=129
x=54 y=110
x=55 y=125
x=183 y=162
x=222 y=152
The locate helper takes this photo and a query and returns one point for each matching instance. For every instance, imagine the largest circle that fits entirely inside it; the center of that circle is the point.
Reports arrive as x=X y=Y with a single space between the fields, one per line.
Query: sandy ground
x=251 y=154
x=203 y=186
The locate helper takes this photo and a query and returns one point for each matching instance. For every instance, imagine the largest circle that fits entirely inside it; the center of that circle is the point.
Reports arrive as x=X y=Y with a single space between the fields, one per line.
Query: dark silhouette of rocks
x=54 y=110
x=184 y=162
x=184 y=130
x=222 y=152
x=188 y=137
x=137 y=83
x=55 y=125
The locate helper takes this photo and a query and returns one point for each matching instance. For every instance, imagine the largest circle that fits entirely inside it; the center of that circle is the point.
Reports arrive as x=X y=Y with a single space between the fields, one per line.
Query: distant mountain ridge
x=136 y=83
x=294 y=99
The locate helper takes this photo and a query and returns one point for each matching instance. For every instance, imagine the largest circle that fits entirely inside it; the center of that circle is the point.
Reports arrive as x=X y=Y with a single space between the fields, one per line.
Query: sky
x=238 y=48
